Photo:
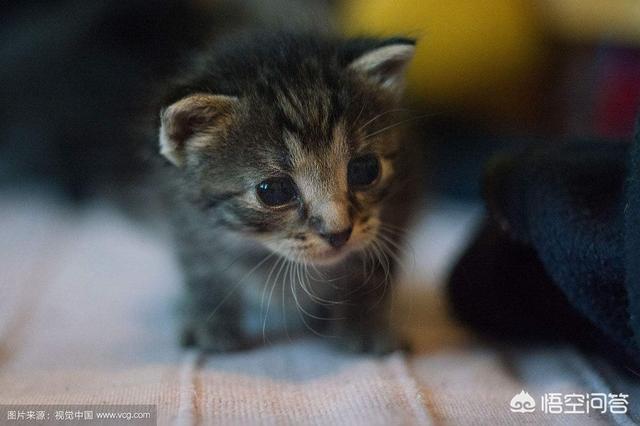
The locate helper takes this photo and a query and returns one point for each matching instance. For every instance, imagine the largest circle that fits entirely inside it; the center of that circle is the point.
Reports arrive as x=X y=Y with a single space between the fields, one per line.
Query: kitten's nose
x=337 y=239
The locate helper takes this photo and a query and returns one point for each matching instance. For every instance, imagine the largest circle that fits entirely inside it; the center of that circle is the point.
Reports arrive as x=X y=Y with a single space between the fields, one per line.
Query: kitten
x=289 y=182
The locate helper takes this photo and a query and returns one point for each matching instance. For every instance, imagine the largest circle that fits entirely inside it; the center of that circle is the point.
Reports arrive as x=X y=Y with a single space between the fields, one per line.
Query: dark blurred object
x=618 y=93
x=501 y=288
x=600 y=91
x=79 y=80
x=75 y=78
x=583 y=91
x=458 y=150
x=555 y=246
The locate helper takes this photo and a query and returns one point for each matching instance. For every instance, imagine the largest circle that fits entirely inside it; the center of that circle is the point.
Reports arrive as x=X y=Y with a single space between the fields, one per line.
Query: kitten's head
x=289 y=140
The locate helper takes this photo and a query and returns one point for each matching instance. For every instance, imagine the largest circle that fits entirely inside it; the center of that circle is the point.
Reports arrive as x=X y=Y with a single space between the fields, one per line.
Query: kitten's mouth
x=328 y=256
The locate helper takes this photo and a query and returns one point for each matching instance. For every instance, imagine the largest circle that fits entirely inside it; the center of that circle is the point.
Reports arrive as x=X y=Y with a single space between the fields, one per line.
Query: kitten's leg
x=361 y=322
x=211 y=317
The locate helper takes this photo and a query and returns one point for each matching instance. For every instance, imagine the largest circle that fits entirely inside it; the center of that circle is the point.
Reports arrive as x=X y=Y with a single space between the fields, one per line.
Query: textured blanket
x=87 y=317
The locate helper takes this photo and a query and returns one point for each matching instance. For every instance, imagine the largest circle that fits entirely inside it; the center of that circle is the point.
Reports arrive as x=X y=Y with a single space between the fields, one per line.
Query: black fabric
x=632 y=239
x=558 y=256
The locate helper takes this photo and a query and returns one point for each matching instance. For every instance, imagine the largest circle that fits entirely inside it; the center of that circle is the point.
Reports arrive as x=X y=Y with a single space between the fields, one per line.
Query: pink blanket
x=86 y=316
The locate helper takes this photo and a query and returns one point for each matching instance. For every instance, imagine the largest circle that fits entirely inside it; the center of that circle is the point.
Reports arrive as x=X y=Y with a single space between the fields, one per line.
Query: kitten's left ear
x=385 y=64
x=200 y=114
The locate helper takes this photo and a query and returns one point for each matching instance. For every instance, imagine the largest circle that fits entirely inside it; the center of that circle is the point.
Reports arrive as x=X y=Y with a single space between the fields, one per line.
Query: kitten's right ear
x=384 y=63
x=196 y=115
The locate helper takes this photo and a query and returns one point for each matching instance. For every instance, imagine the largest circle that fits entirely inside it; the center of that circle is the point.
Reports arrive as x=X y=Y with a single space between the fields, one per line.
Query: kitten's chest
x=284 y=298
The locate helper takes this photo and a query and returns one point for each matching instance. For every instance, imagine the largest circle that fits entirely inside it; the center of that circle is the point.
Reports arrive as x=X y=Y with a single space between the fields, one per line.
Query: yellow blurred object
x=466 y=48
x=594 y=20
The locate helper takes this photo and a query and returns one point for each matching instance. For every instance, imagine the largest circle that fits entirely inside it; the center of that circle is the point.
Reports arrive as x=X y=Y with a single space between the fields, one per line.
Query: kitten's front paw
x=374 y=343
x=211 y=339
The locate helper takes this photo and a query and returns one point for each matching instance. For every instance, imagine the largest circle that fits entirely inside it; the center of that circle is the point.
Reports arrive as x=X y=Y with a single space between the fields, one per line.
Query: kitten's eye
x=363 y=170
x=277 y=191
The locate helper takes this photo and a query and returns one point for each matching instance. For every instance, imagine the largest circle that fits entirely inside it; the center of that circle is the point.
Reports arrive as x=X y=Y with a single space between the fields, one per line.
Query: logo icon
x=522 y=403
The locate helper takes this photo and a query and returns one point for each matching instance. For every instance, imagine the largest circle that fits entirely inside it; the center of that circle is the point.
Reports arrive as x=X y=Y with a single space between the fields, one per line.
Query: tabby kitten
x=289 y=183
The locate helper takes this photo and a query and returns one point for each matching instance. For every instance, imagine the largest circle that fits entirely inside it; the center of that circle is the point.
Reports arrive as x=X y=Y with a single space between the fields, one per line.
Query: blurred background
x=78 y=78
x=87 y=296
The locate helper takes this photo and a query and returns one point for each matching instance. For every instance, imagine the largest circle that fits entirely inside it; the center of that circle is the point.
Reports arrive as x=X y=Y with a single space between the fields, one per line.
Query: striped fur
x=280 y=105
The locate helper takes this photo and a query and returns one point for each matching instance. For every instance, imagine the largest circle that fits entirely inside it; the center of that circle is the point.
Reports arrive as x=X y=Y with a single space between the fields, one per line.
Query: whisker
x=376 y=262
x=391 y=126
x=405 y=248
x=367 y=277
x=287 y=276
x=394 y=230
x=386 y=248
x=307 y=287
x=385 y=259
x=379 y=116
x=386 y=266
x=390 y=226
x=266 y=285
x=360 y=113
x=302 y=312
x=395 y=245
x=235 y=287
x=281 y=261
